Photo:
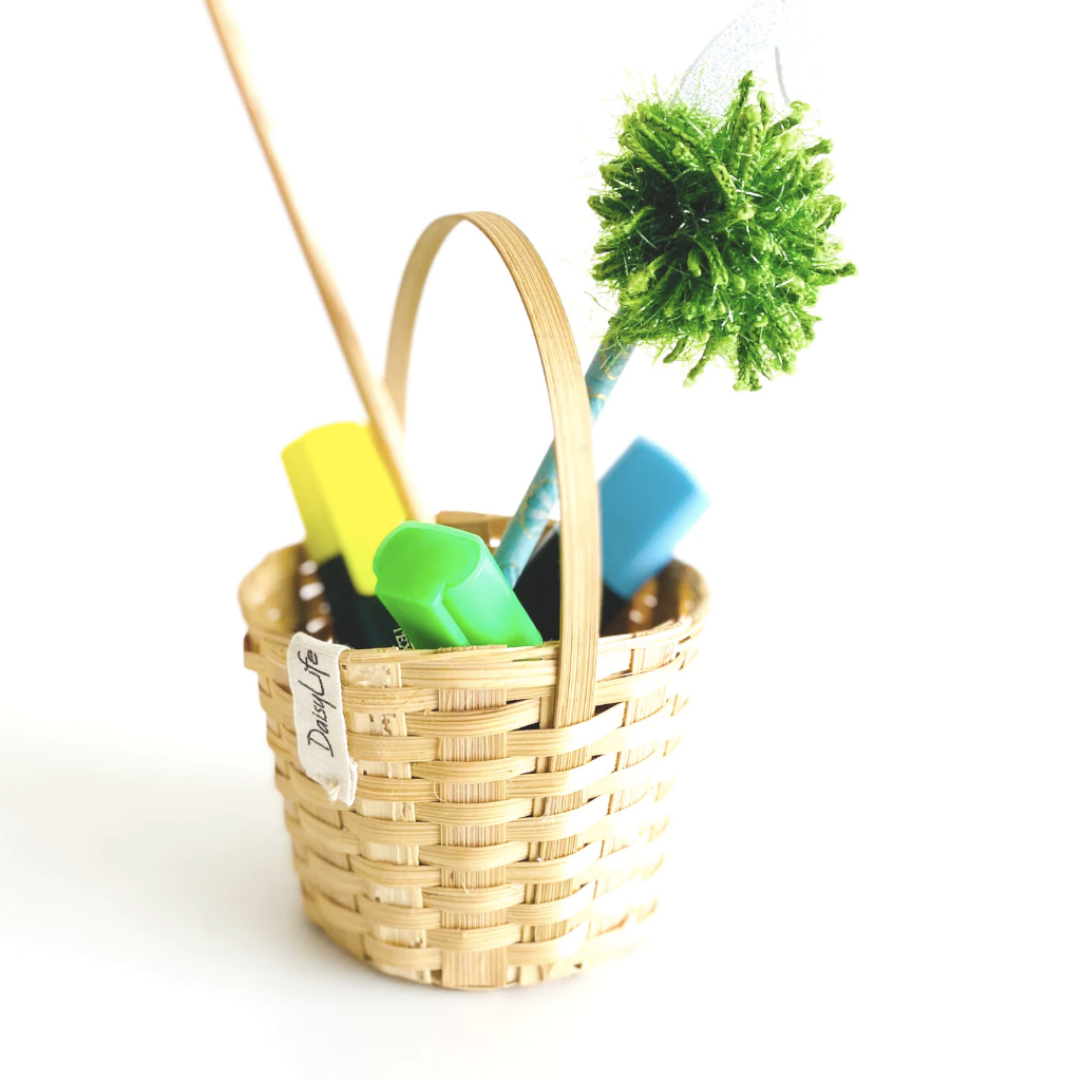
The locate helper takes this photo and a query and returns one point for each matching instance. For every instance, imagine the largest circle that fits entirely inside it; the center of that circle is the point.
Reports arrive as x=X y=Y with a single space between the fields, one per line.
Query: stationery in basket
x=495 y=813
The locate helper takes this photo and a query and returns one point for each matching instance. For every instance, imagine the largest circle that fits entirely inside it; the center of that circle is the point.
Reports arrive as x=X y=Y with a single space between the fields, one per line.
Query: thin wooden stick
x=373 y=393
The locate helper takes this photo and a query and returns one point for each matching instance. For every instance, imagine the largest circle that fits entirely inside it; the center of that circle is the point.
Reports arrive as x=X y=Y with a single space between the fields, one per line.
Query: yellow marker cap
x=347 y=499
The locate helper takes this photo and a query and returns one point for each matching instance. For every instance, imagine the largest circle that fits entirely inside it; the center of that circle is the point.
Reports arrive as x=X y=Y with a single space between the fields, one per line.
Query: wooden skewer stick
x=373 y=393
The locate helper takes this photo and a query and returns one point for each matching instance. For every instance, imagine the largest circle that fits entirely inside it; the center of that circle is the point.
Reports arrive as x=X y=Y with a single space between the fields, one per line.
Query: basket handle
x=579 y=534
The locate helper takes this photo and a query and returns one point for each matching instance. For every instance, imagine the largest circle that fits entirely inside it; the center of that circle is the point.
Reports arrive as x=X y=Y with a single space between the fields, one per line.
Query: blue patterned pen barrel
x=528 y=523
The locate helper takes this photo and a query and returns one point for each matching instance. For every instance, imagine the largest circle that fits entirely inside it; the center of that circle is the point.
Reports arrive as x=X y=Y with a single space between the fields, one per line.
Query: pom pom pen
x=714 y=238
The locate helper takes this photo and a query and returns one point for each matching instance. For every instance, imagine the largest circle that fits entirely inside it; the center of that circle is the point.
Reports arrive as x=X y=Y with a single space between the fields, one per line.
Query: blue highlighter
x=648 y=503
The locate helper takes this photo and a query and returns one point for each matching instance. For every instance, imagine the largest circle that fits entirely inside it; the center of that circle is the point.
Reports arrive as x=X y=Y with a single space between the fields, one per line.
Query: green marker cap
x=444 y=588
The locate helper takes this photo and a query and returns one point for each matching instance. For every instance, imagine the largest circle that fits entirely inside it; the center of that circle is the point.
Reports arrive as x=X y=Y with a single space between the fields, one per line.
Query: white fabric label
x=315 y=681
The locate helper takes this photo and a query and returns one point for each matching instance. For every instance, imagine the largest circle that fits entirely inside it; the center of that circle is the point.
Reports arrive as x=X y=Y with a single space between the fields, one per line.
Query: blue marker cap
x=648 y=503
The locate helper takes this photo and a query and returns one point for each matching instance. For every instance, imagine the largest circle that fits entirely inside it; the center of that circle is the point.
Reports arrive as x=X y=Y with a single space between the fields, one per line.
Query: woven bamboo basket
x=512 y=802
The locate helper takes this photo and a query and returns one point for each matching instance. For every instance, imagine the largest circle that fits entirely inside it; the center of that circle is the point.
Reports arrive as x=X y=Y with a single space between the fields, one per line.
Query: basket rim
x=252 y=600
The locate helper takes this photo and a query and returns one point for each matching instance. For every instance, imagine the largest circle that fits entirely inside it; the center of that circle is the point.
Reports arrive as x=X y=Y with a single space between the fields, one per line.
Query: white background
x=875 y=863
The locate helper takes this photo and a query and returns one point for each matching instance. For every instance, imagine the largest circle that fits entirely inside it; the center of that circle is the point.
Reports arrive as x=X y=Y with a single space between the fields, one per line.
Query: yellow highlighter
x=348 y=502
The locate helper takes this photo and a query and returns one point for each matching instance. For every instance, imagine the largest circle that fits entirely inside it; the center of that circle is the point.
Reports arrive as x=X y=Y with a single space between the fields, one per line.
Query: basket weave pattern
x=485 y=848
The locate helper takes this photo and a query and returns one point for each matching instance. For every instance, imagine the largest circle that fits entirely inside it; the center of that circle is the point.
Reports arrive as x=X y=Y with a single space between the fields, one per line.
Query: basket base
x=601 y=949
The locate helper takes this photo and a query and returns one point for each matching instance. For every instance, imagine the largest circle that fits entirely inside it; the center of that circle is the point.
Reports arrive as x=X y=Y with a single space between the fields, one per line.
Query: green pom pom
x=715 y=234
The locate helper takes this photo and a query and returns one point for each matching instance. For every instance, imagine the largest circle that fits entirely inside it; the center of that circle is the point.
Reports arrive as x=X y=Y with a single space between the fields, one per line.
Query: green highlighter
x=445 y=589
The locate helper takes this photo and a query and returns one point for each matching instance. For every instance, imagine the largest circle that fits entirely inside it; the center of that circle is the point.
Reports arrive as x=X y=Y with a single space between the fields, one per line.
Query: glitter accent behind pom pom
x=747 y=44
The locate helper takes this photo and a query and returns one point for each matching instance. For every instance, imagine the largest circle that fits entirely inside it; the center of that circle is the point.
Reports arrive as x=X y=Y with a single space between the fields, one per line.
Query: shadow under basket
x=485 y=847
